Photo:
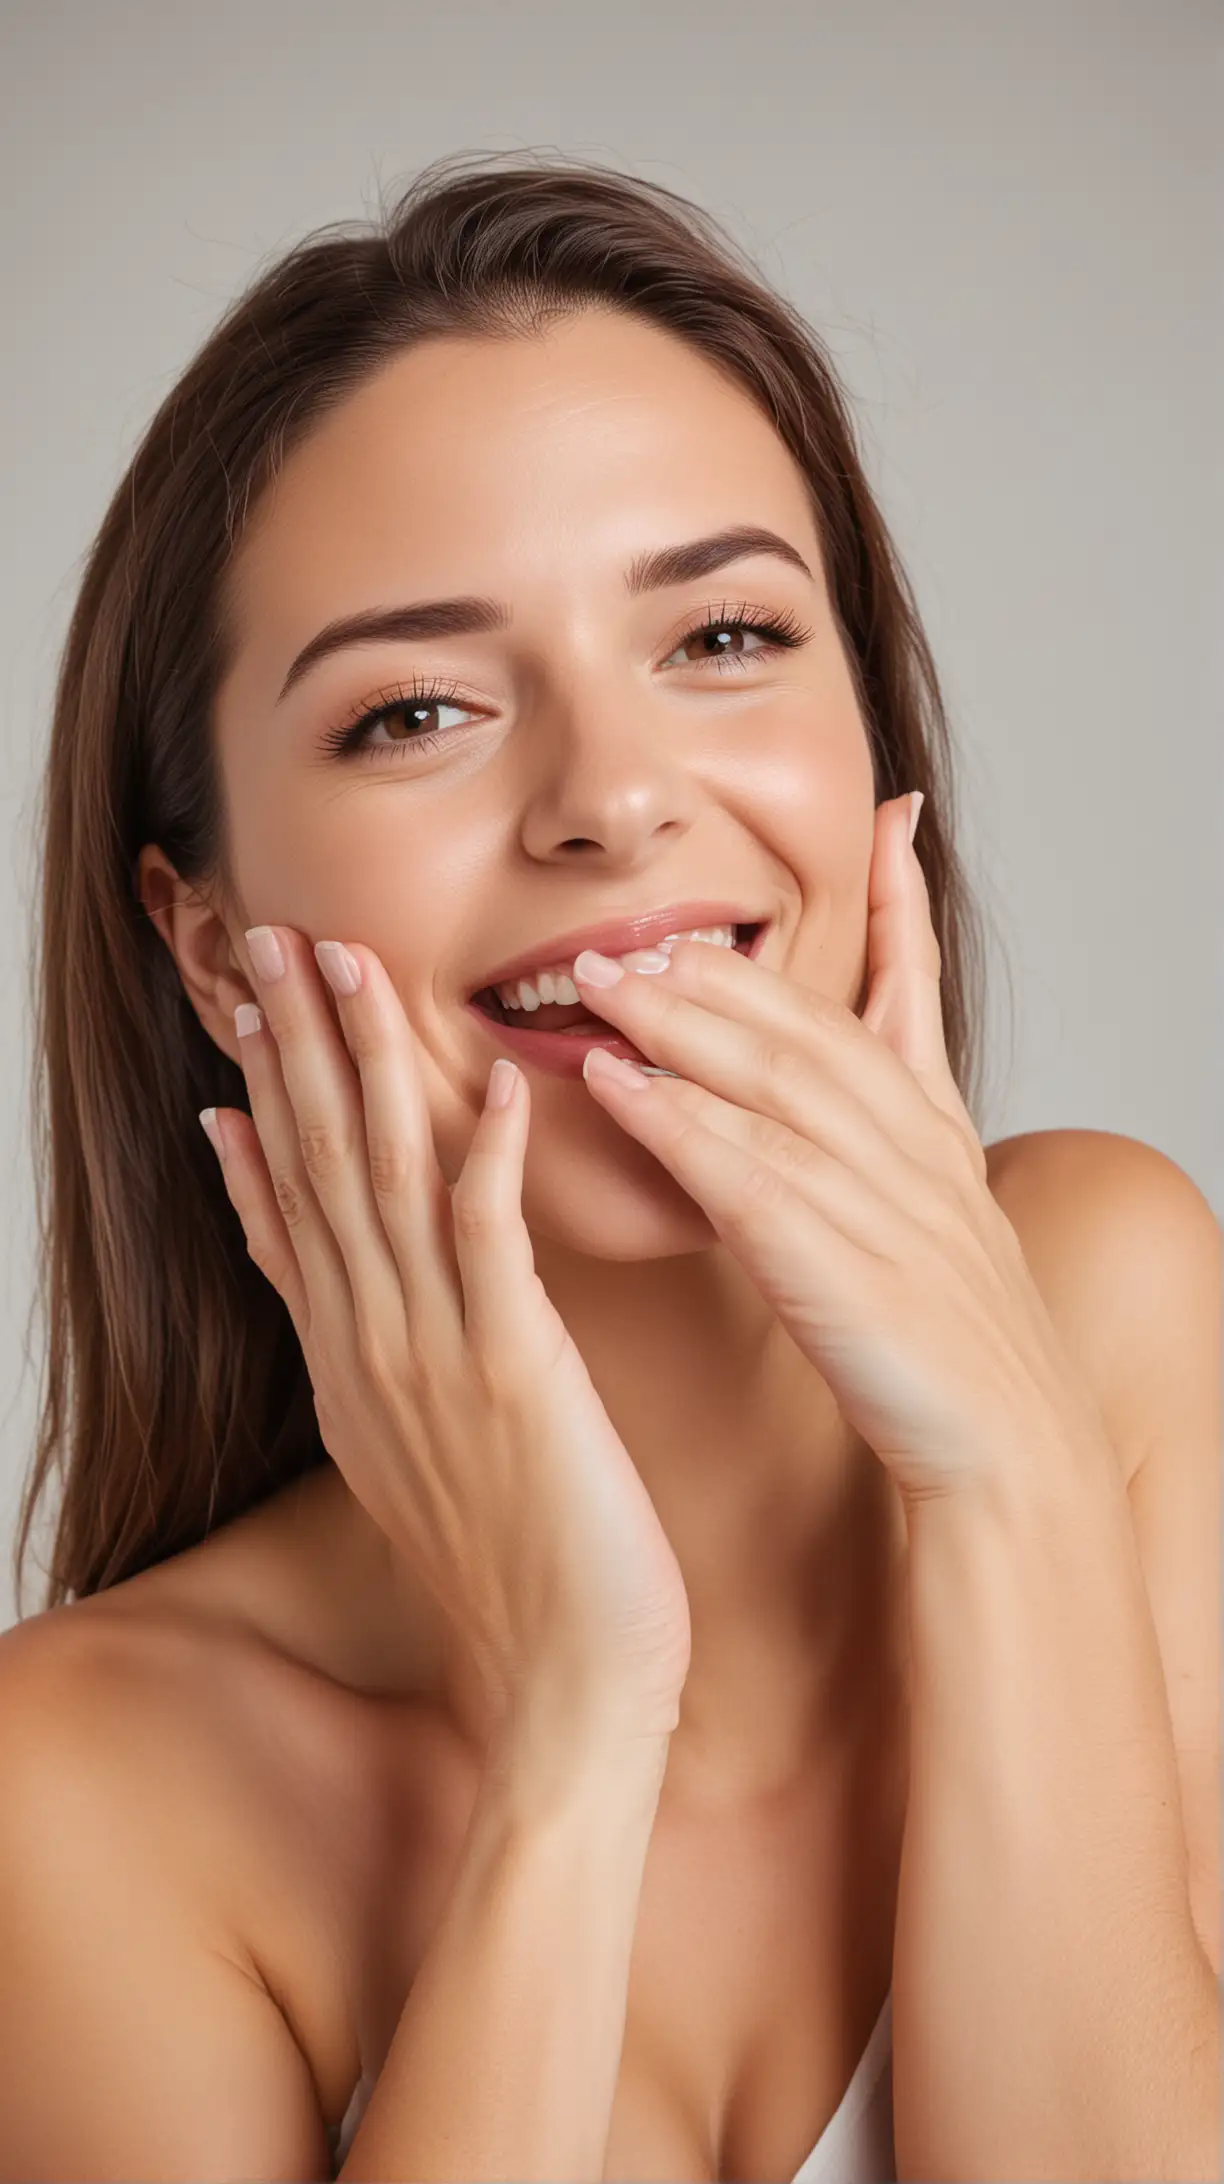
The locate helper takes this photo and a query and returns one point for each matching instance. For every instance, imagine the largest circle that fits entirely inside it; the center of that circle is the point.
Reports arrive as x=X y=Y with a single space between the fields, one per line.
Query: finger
x=904 y=1007
x=766 y=1204
x=301 y=1224
x=365 y=1140
x=492 y=1246
x=408 y=1191
x=768 y=1045
x=248 y=1185
x=479 y=1219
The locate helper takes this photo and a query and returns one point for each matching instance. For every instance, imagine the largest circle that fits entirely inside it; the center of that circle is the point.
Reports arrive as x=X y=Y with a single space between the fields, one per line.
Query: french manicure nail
x=212 y=1131
x=598 y=1063
x=597 y=970
x=339 y=968
x=265 y=953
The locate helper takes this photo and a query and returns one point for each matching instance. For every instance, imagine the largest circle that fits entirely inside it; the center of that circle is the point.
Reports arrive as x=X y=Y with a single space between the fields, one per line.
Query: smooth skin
x=593 y=766
x=449 y=1392
x=251 y=1852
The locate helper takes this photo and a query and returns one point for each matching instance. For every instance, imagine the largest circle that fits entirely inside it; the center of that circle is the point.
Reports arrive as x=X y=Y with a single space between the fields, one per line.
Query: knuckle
x=391 y=1165
x=764 y=1189
x=820 y=1010
x=472 y=1215
x=363 y=1029
x=762 y=1133
x=781 y=1065
x=362 y=1035
x=323 y=1151
x=774 y=1142
x=292 y=1201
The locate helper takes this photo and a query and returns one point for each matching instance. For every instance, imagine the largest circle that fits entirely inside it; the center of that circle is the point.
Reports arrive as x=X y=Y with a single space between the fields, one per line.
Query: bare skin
x=245 y=1684
x=581 y=778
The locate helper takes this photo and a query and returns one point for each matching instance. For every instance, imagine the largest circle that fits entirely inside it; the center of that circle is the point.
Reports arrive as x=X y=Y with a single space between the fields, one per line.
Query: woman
x=509 y=1552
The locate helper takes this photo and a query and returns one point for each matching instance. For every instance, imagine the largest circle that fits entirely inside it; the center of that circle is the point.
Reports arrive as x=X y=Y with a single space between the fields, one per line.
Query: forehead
x=474 y=464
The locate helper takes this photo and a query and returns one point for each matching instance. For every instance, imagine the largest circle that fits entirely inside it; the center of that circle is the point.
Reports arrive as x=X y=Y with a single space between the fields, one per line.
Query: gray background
x=1004 y=219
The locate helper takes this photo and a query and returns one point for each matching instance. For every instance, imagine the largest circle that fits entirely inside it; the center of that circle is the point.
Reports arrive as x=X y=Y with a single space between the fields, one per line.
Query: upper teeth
x=556 y=984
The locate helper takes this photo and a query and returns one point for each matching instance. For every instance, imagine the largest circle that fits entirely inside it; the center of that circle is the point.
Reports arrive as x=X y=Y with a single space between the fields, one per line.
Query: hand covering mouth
x=570 y=1015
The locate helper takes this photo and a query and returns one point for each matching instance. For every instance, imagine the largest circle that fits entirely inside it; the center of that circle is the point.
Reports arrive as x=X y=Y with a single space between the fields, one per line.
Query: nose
x=610 y=777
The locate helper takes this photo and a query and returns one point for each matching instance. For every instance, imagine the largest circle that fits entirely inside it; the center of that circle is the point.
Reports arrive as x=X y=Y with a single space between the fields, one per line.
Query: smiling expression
x=584 y=747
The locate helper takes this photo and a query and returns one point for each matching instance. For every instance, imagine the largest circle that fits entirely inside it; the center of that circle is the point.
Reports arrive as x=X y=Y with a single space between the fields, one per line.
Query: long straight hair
x=175 y=1394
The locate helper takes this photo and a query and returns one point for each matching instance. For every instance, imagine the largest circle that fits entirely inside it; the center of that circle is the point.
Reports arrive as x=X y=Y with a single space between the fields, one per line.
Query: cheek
x=816 y=810
x=417 y=866
x=814 y=764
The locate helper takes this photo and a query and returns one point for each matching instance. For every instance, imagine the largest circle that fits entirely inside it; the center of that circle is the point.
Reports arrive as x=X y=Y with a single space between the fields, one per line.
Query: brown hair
x=176 y=1394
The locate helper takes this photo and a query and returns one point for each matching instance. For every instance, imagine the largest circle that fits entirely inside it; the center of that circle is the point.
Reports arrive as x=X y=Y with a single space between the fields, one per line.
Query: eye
x=779 y=634
x=411 y=705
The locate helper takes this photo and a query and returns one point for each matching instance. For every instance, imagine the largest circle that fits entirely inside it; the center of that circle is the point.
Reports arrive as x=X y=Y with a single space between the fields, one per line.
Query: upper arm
x=132 y=2046
x=1129 y=1253
x=1173 y=1379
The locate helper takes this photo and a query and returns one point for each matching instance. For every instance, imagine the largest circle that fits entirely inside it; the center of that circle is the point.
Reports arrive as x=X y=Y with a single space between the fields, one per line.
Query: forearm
x=506 y=2056
x=1054 y=2014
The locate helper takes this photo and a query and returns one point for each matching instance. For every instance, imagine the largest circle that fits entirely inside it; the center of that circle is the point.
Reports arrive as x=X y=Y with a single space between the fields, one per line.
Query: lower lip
x=563 y=1052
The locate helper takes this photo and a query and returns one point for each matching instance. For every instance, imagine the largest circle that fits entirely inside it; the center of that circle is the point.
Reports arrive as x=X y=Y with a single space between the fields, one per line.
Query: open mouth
x=574 y=1015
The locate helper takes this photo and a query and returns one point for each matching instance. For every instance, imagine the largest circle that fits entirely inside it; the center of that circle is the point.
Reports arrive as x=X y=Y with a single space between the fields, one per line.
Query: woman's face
x=588 y=760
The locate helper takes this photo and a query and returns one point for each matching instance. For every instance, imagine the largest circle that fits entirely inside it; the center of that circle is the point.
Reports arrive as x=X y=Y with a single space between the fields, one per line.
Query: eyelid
x=780 y=624
x=447 y=691
x=415 y=688
x=714 y=615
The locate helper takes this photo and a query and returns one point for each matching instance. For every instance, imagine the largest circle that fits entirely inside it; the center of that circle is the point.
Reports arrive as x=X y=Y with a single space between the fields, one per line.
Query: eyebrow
x=429 y=618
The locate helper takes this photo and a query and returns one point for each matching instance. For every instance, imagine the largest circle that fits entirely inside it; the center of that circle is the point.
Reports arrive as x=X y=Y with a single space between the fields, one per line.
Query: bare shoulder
x=139 y=1694
x=1129 y=1256
x=154 y=1723
x=148 y=1887
x=196 y=1686
x=1100 y=1217
x=96 y=1727
x=228 y=1688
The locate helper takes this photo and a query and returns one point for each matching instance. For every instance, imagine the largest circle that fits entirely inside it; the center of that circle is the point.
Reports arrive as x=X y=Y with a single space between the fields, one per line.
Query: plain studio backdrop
x=1005 y=222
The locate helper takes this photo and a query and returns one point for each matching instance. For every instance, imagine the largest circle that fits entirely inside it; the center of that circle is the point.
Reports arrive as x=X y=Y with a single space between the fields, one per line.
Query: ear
x=199 y=943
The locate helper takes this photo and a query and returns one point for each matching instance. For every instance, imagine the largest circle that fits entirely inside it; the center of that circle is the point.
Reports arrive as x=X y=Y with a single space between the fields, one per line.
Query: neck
x=786 y=1527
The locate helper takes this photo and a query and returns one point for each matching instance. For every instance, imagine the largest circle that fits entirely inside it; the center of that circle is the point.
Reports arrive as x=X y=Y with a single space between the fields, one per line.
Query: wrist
x=540 y=1771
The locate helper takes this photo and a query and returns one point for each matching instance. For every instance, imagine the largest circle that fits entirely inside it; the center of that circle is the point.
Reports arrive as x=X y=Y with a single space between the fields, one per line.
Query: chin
x=624 y=1208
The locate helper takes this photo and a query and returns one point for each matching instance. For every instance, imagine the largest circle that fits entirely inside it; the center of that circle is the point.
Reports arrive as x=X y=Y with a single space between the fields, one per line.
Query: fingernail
x=339 y=968
x=597 y=1062
x=265 y=953
x=594 y=969
x=247 y=1018
x=503 y=1078
x=212 y=1131
x=917 y=800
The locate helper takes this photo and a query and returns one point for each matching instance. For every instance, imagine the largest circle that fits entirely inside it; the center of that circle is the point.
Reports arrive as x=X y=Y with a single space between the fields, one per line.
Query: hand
x=835 y=1157
x=447 y=1388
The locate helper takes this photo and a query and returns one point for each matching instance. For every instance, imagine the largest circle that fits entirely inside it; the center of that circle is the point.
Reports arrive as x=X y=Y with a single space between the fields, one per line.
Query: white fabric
x=856 y=2145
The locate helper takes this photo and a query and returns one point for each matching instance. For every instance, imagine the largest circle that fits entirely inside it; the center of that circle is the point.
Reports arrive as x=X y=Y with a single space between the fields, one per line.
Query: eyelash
x=783 y=631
